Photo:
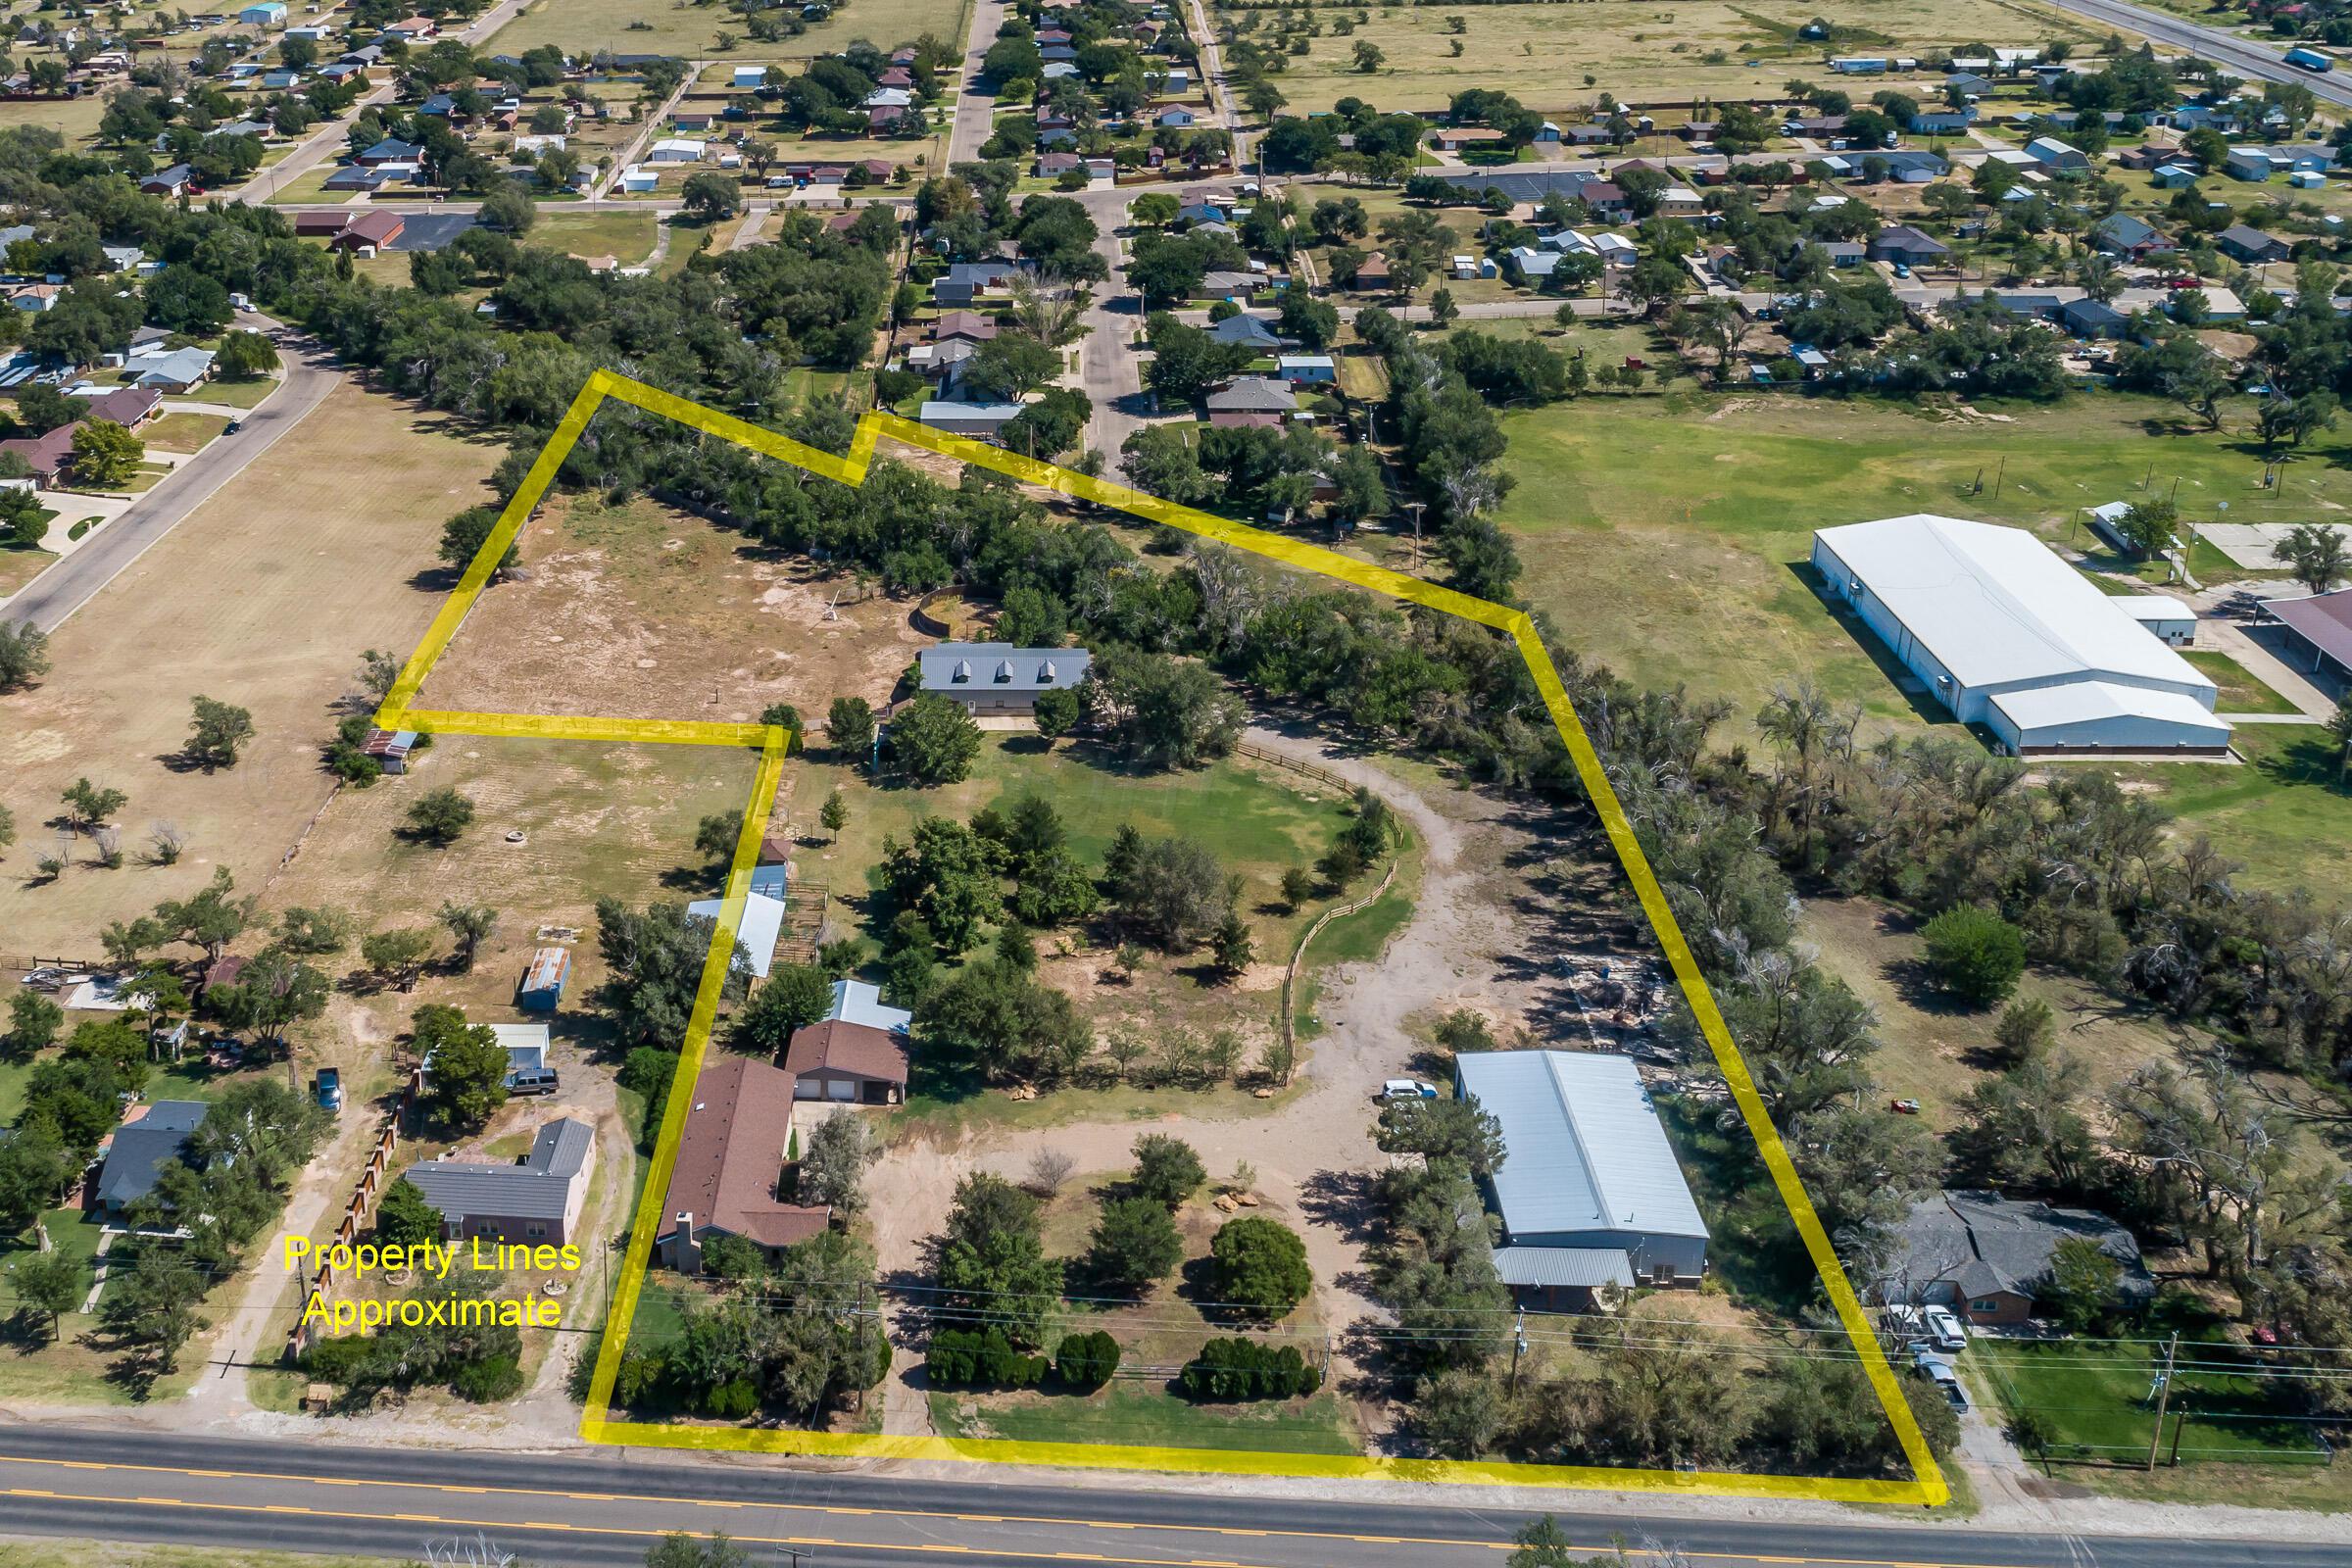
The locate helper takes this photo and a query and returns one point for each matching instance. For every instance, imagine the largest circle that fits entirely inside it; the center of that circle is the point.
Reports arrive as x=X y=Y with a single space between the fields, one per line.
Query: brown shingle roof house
x=845 y=1062
x=738 y=1132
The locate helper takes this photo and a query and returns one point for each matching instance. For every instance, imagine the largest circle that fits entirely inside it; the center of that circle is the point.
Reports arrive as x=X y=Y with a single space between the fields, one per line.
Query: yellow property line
x=1928 y=1485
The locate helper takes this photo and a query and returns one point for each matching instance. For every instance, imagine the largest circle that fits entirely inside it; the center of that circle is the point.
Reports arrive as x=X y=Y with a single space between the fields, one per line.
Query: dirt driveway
x=1466 y=945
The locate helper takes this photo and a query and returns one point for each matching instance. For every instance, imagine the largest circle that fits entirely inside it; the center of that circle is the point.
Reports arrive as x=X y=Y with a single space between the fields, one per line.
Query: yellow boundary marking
x=1927 y=1486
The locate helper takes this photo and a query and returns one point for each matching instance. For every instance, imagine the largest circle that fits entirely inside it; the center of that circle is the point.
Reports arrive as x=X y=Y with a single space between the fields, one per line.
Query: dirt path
x=1465 y=944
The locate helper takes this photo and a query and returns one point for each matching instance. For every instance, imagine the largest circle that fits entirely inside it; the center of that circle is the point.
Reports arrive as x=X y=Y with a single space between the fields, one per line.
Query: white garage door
x=841 y=1089
x=804 y=1089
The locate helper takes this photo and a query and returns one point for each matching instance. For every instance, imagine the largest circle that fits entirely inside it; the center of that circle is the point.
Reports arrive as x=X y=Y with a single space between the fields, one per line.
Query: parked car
x=1407 y=1089
x=1905 y=1107
x=1946 y=1330
x=538 y=1081
x=234 y=426
x=45 y=979
x=330 y=1089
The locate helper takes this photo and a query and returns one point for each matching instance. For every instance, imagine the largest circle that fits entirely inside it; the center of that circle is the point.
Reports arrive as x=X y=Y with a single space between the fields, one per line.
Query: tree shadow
x=1342 y=1200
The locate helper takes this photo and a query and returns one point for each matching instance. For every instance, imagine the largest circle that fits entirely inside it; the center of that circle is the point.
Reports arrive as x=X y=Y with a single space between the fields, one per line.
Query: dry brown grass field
x=644 y=612
x=263 y=597
x=1558 y=58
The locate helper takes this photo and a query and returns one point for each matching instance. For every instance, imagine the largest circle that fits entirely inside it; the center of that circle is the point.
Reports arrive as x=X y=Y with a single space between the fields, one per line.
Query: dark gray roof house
x=1985 y=1256
x=535 y=1199
x=2089 y=317
x=999 y=678
x=141 y=1148
x=1254 y=394
x=1903 y=243
x=2121 y=234
x=1250 y=331
x=2249 y=244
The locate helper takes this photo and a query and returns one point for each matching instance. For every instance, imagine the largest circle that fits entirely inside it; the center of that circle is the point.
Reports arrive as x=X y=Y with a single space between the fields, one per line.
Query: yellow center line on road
x=937 y=1515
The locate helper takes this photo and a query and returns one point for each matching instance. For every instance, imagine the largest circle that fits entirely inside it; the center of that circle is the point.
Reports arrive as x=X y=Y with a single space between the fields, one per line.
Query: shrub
x=1975 y=954
x=731 y=1402
x=1084 y=1363
x=1260 y=1264
x=1134 y=1243
x=487 y=1382
x=1166 y=1169
x=337 y=1359
x=976 y=1358
x=1235 y=1369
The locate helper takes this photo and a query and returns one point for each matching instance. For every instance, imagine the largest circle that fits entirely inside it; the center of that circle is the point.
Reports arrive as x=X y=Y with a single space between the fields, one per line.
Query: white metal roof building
x=2007 y=635
x=1589 y=1190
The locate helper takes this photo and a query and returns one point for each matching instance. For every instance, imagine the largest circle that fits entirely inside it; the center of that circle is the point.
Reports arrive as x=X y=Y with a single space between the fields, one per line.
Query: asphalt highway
x=607 y=1507
x=2240 y=54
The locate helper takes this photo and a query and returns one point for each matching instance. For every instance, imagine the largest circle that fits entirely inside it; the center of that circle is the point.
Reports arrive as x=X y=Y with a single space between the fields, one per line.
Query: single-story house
x=985 y=420
x=2057 y=157
x=847 y=1062
x=1250 y=331
x=1252 y=394
x=175 y=371
x=1453 y=138
x=391 y=150
x=128 y=407
x=170 y=182
x=730 y=1166
x=2088 y=318
x=368 y=233
x=676 y=150
x=1174 y=117
x=47 y=456
x=2247 y=244
x=2121 y=234
x=154 y=1135
x=997 y=678
x=2172 y=176
x=536 y=1198
x=1306 y=369
x=1985 y=1256
x=1902 y=242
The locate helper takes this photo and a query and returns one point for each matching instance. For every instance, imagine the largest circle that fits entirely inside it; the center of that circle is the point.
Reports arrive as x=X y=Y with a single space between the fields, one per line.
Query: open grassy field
x=1560 y=61
x=627 y=237
x=265 y=596
x=125 y=1554
x=583 y=26
x=182 y=432
x=2241 y=690
x=2285 y=815
x=1671 y=534
x=20 y=566
x=644 y=612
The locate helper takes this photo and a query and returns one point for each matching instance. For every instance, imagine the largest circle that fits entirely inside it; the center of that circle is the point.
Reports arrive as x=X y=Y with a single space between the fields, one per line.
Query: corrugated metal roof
x=1997 y=605
x=762 y=924
x=855 y=1001
x=539 y=1187
x=1564 y=1267
x=1000 y=666
x=1584 y=1149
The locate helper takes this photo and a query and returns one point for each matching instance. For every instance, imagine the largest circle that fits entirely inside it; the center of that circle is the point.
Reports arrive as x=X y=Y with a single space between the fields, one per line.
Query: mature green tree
x=468 y=925
x=398 y=956
x=793 y=996
x=850 y=725
x=934 y=741
x=158 y=1304
x=834 y=1161
x=24 y=654
x=992 y=1257
x=1975 y=954
x=2315 y=553
x=712 y=197
x=34 y=1025
x=105 y=454
x=243 y=356
x=406 y=1217
x=439 y=816
x=462 y=538
x=1259 y=1264
x=1459 y=1132
x=1173 y=895
x=1167 y=1170
x=217 y=732
x=1133 y=1245
x=466 y=1079
x=51 y=1283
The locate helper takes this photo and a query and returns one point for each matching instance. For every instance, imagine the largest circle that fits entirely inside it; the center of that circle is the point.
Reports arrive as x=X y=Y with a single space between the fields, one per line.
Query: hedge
x=1246 y=1369
x=1086 y=1361
x=972 y=1358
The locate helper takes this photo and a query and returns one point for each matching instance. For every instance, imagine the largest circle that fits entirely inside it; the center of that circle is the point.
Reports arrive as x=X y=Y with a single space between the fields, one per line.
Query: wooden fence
x=1322 y=775
x=1290 y=977
x=320 y=1288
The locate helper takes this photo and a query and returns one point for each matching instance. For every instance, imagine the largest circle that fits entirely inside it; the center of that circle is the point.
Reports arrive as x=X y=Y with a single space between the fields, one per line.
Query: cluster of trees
x=1232 y=1370
x=796 y=1338
x=479 y=1360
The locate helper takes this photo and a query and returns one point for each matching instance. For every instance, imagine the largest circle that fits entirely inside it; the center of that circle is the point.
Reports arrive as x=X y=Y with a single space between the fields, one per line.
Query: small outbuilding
x=544 y=980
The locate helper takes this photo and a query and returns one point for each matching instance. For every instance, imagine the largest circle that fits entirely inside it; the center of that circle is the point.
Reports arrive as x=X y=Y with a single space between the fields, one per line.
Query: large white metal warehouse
x=2007 y=635
x=1589 y=1190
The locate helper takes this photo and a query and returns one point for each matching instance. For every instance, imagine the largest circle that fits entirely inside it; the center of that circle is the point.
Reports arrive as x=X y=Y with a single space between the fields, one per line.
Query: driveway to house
x=69 y=584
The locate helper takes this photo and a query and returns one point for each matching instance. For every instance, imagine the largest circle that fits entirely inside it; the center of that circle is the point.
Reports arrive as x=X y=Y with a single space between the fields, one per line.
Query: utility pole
x=1998 y=474
x=2164 y=1394
x=1518 y=1347
x=1416 y=508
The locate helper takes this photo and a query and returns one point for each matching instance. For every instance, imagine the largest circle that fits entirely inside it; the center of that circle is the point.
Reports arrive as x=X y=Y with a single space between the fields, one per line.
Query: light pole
x=1416 y=508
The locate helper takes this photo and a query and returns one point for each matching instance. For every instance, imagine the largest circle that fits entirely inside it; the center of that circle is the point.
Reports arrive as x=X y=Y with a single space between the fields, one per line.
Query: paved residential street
x=975 y=105
x=310 y=375
x=607 y=1507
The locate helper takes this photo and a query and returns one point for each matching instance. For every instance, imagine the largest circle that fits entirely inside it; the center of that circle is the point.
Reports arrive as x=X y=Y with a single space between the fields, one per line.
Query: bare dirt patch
x=265 y=598
x=645 y=611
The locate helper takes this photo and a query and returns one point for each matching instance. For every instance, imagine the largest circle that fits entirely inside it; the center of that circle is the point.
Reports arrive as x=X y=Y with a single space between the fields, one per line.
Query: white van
x=1946 y=1330
x=1407 y=1089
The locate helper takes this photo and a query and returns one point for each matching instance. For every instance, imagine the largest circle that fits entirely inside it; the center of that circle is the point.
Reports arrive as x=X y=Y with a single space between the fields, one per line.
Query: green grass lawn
x=627 y=237
x=1142 y=1415
x=2286 y=814
x=2242 y=691
x=183 y=432
x=236 y=394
